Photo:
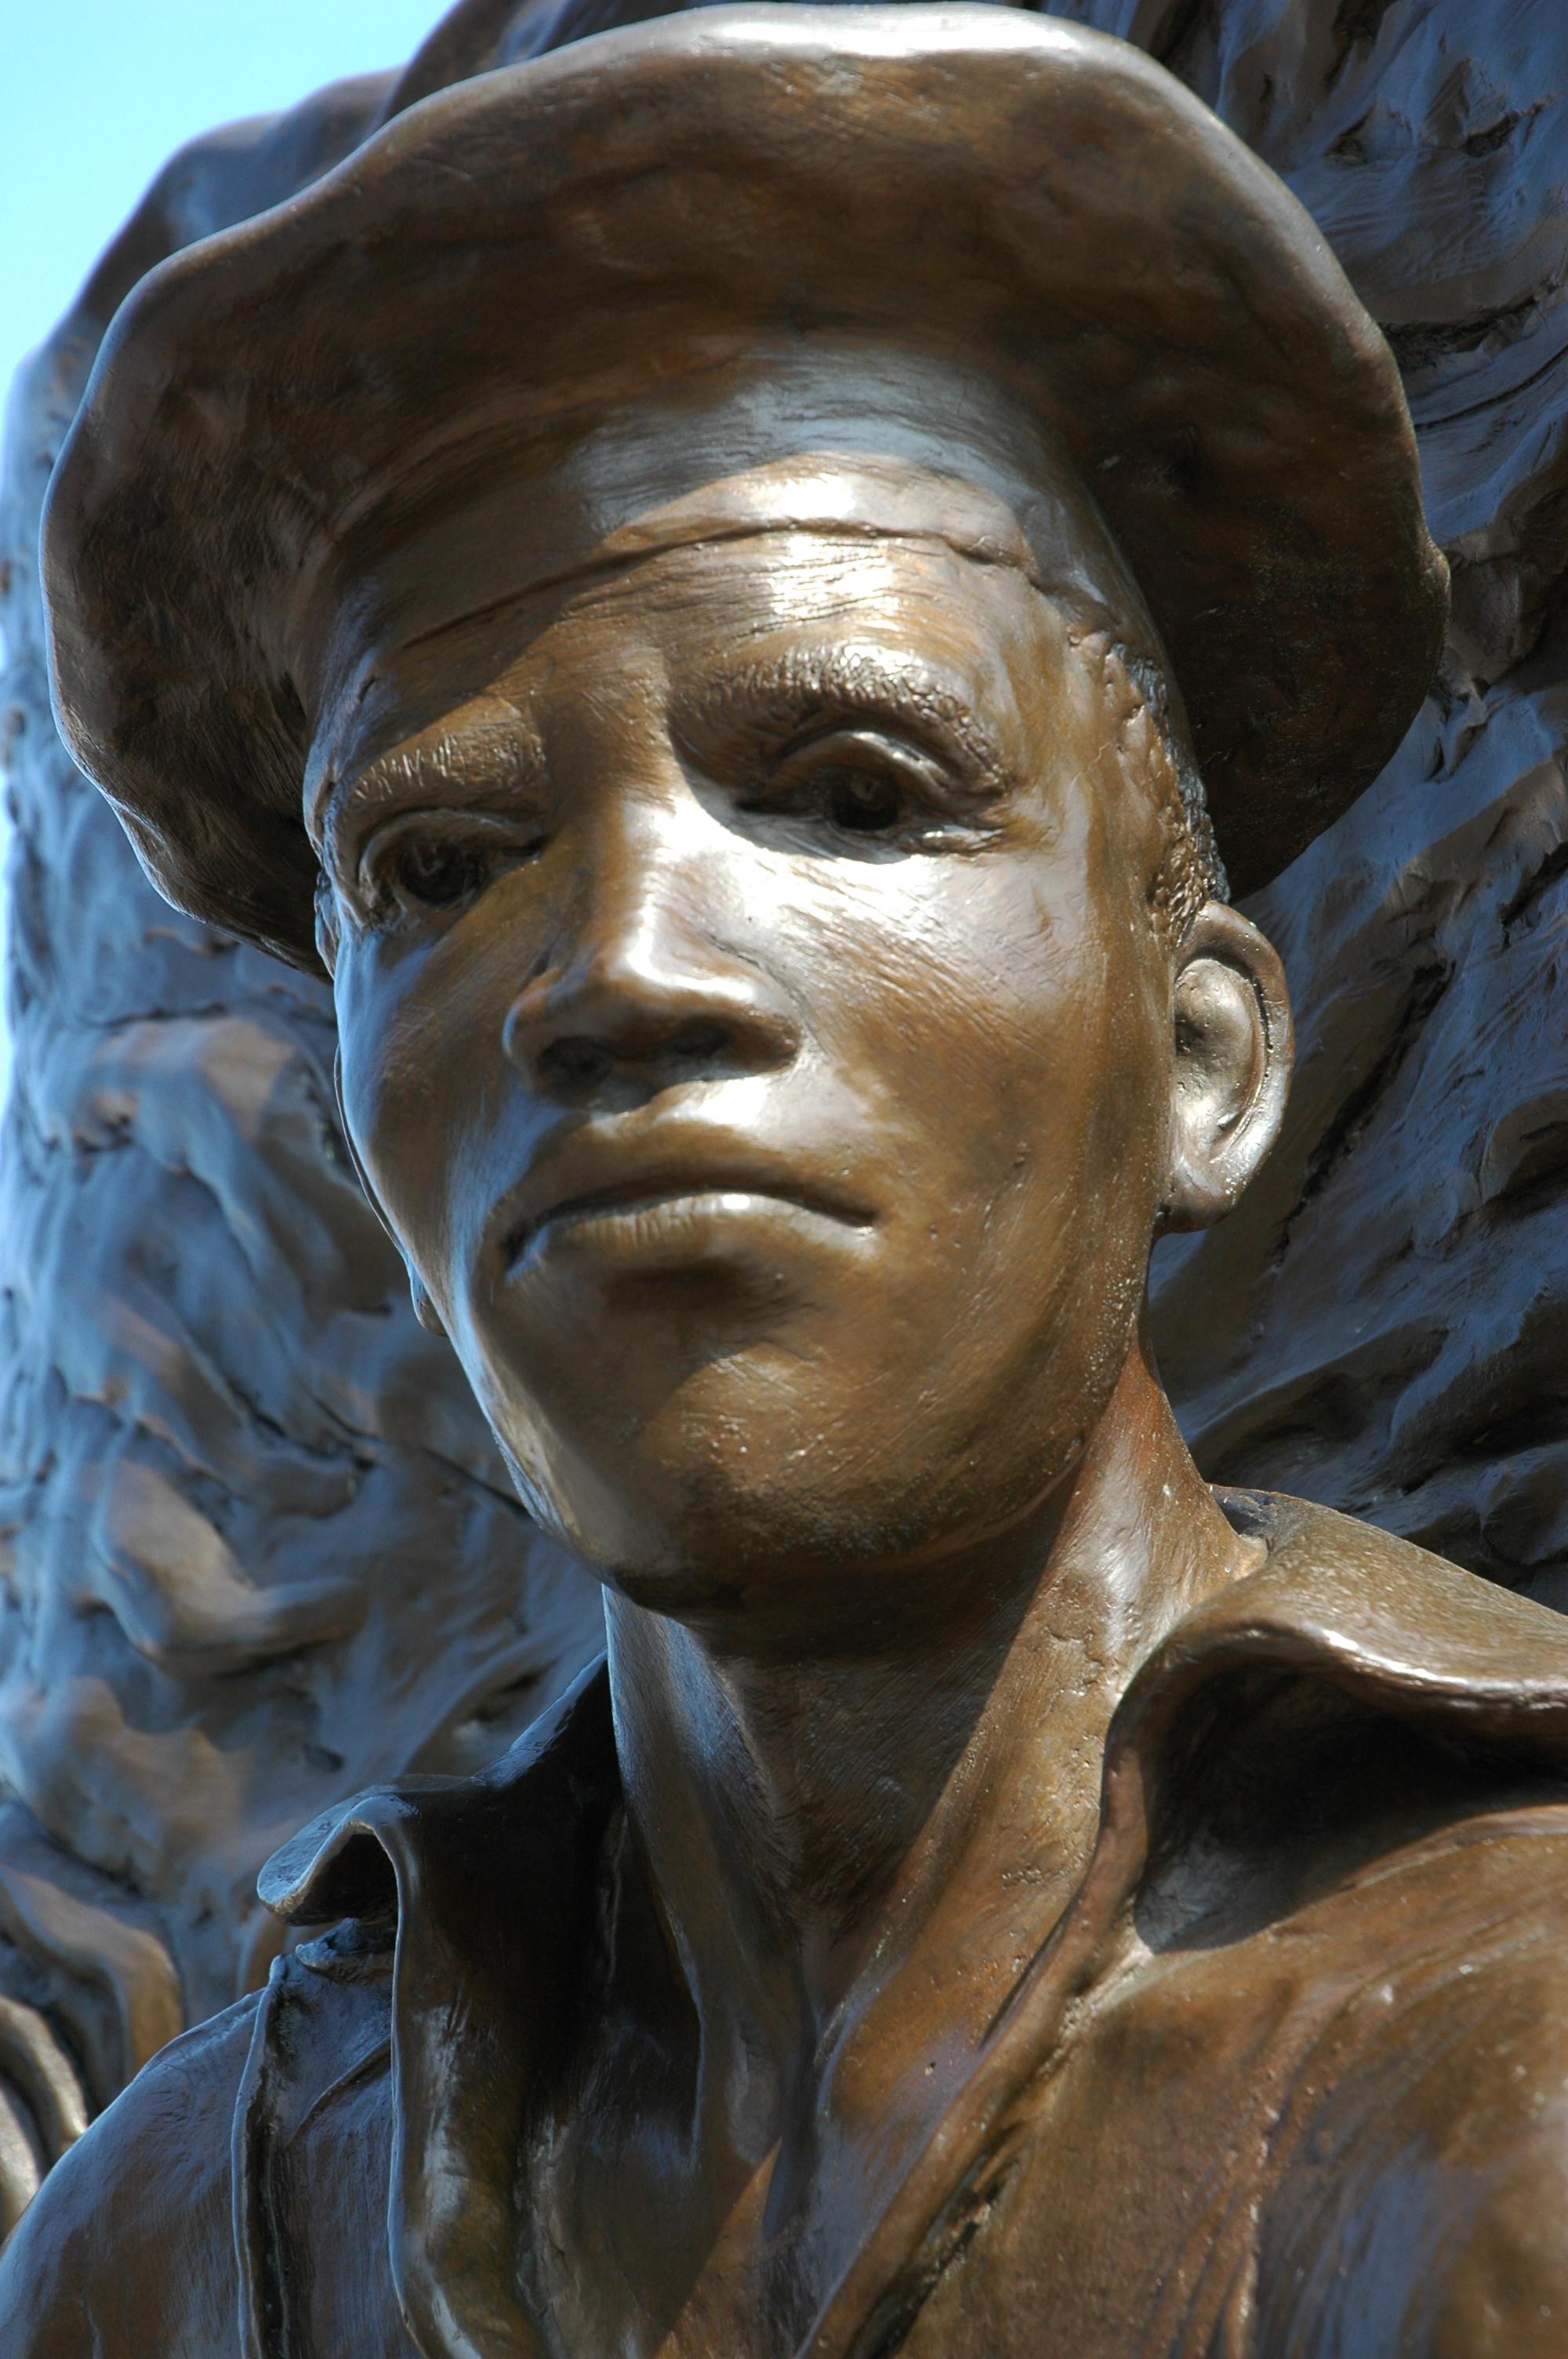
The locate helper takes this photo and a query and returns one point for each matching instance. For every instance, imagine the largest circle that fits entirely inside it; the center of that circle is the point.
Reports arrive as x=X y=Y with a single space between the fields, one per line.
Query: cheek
x=419 y=1039
x=994 y=1020
x=1068 y=1162
x=1079 y=1114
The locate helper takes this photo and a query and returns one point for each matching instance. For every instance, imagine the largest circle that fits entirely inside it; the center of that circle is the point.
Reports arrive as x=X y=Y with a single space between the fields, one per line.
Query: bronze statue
x=704 y=574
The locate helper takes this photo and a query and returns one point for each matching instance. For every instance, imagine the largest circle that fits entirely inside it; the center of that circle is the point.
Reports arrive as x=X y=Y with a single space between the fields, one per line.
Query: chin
x=702 y=1533
x=692 y=1483
x=743 y=1527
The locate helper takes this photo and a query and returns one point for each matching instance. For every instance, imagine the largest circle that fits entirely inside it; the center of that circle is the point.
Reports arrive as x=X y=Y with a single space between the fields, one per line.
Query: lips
x=593 y=1174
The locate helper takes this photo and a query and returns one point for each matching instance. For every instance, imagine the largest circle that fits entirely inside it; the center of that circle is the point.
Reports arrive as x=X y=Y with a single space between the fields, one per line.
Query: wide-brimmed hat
x=1040 y=205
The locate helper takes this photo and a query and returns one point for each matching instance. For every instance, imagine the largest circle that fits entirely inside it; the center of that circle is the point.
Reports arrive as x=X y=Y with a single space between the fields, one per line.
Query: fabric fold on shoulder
x=1379 y=1617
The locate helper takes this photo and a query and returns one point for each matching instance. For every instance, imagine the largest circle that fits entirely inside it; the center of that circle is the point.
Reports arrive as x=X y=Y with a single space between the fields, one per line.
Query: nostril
x=572 y=1061
x=698 y=1043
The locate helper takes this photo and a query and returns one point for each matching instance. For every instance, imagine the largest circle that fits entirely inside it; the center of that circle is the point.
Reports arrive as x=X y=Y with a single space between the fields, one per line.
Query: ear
x=425 y=1311
x=1232 y=1070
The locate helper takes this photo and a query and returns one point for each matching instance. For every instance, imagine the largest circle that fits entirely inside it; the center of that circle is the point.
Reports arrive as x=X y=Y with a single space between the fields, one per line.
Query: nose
x=647 y=991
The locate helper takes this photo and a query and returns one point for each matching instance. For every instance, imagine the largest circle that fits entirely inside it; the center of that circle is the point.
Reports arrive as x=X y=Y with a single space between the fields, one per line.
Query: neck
x=810 y=1819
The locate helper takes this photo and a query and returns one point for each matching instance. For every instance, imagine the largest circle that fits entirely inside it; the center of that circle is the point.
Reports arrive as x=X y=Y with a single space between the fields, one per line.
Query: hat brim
x=1042 y=200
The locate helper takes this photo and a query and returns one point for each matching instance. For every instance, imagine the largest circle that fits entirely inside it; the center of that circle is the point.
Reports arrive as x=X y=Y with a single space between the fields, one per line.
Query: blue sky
x=95 y=93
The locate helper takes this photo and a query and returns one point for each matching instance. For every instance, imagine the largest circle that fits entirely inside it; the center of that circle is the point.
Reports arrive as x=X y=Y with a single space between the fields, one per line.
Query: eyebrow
x=777 y=700
x=493 y=756
x=781 y=697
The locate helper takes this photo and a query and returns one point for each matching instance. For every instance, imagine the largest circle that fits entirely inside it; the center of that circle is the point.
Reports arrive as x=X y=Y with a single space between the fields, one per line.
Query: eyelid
x=460 y=775
x=888 y=744
x=930 y=774
x=768 y=708
x=506 y=831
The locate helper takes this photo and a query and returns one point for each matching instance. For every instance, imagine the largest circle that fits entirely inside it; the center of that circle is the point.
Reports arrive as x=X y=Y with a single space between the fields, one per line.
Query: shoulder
x=90 y=2269
x=1421 y=2192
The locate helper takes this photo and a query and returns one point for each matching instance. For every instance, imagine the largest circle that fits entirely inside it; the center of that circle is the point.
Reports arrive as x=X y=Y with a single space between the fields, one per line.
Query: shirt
x=1286 y=2080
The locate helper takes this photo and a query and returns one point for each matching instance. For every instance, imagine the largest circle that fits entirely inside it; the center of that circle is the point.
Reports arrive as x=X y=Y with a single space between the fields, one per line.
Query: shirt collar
x=488 y=1885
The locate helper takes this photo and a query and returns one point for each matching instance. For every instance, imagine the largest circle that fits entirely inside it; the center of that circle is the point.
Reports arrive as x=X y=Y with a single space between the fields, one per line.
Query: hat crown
x=528 y=253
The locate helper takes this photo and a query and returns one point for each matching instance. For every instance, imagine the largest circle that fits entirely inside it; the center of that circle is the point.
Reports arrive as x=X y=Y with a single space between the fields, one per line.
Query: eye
x=862 y=783
x=862 y=801
x=434 y=871
x=423 y=862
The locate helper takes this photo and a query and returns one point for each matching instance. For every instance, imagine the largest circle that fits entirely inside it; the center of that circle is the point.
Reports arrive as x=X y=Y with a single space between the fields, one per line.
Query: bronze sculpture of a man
x=704 y=573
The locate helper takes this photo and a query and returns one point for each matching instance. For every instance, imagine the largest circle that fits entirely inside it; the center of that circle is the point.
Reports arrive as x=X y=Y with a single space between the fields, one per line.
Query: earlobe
x=1232 y=1065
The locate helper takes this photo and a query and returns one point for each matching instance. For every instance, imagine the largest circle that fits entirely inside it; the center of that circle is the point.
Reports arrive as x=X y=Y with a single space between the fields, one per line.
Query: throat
x=833 y=1871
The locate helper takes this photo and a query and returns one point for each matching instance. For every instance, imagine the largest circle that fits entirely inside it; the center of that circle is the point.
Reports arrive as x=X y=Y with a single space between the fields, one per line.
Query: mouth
x=653 y=1208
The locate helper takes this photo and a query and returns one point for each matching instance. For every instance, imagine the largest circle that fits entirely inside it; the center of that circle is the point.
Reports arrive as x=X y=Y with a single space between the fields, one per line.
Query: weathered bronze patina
x=729 y=550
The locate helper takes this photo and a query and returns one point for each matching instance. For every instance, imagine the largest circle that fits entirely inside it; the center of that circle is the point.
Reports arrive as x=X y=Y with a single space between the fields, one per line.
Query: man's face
x=754 y=1029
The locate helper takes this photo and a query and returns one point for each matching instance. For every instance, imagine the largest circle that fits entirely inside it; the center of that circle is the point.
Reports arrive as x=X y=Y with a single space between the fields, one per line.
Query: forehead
x=690 y=634
x=459 y=571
